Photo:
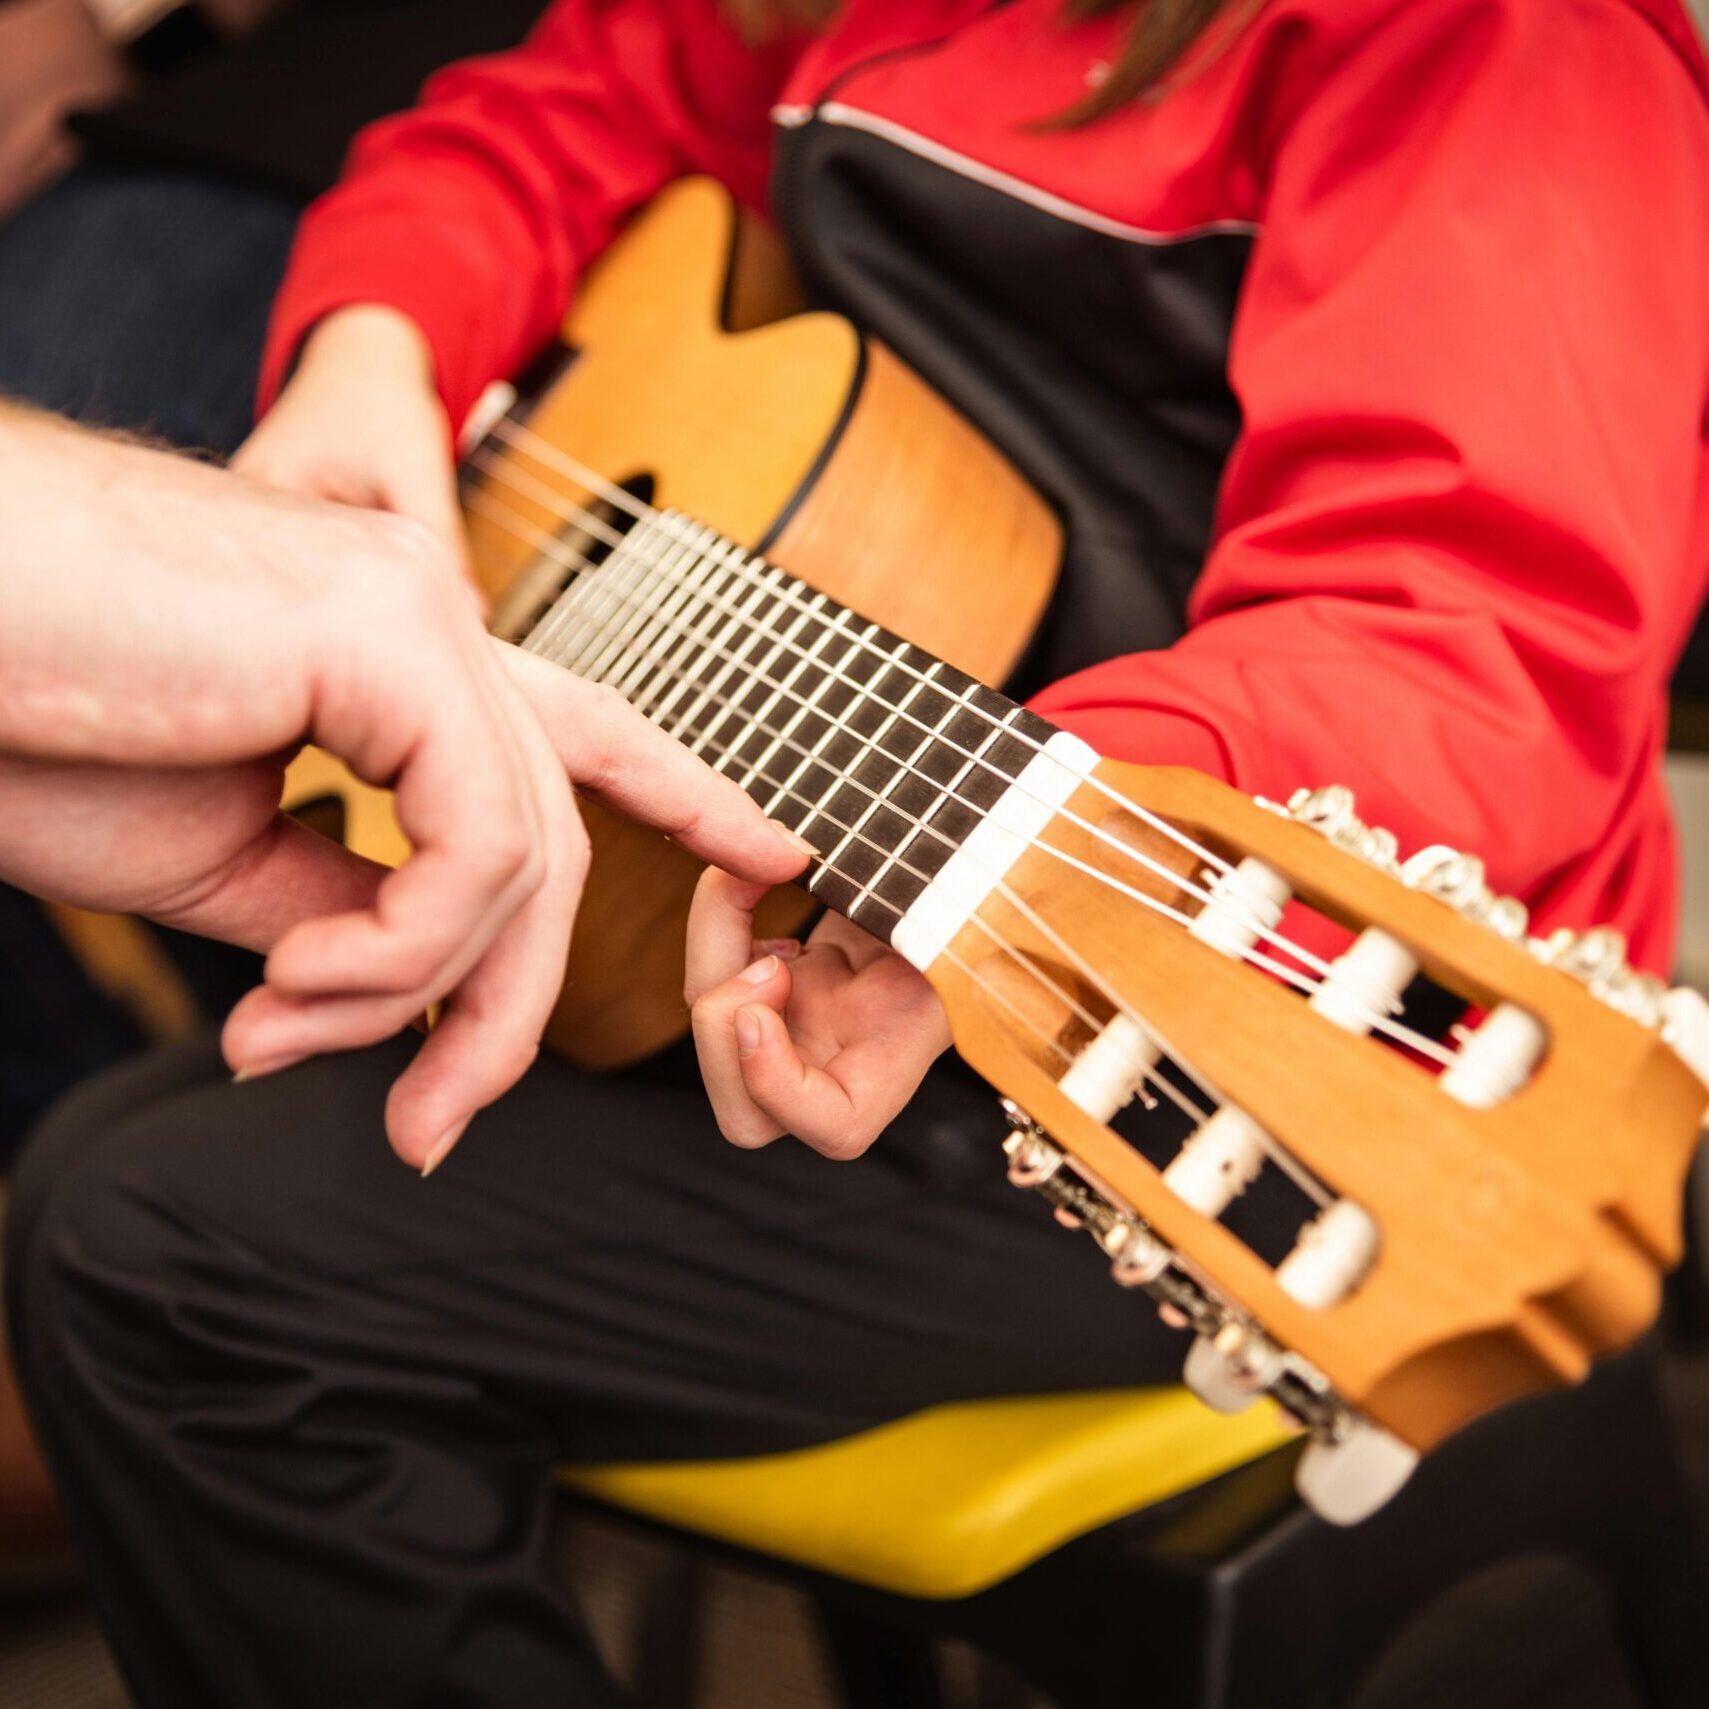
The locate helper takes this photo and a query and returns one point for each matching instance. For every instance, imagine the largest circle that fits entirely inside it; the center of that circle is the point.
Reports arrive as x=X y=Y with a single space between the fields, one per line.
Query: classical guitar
x=1482 y=1210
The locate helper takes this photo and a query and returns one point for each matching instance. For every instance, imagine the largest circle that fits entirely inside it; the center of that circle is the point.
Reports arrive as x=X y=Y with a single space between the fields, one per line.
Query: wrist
x=374 y=340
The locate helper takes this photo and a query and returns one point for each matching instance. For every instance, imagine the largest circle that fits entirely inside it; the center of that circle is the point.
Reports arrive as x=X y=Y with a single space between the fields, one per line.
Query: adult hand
x=170 y=634
x=827 y=1040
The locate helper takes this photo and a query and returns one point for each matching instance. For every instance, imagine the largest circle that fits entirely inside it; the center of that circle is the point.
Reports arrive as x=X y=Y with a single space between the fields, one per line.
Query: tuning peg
x=1330 y=810
x=1459 y=880
x=1230 y=1371
x=1496 y=1058
x=1033 y=1158
x=1348 y=1479
x=1597 y=959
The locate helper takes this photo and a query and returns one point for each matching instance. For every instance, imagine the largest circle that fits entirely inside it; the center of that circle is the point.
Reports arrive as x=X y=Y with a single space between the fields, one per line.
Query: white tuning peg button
x=1364 y=985
x=1333 y=1255
x=1210 y=1374
x=1497 y=1059
x=1219 y=1161
x=1347 y=1481
x=1244 y=904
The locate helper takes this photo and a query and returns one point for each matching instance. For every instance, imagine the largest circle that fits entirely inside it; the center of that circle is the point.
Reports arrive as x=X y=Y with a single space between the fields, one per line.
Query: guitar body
x=785 y=431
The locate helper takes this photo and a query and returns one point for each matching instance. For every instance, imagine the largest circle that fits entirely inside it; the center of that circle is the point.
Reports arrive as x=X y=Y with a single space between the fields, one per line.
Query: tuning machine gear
x=1232 y=1361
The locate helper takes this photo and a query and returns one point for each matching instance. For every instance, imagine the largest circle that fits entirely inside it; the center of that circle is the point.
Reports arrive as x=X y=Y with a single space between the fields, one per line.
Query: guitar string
x=563 y=615
x=516 y=433
x=1290 y=1165
x=745 y=572
x=1028 y=966
x=552 y=546
x=601 y=631
x=652 y=658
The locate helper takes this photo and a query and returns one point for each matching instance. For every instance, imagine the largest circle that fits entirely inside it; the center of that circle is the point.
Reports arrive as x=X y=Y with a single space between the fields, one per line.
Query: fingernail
x=747 y=1032
x=795 y=840
x=785 y=949
x=273 y=1065
x=761 y=970
x=438 y=1154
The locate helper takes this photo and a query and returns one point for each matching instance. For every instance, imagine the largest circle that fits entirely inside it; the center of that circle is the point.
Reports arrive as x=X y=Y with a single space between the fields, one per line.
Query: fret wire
x=842 y=720
x=813 y=754
x=682 y=600
x=760 y=668
x=746 y=613
x=705 y=578
x=810 y=706
x=807 y=661
x=757 y=727
x=878 y=736
x=945 y=792
x=660 y=560
x=634 y=658
x=643 y=627
x=573 y=633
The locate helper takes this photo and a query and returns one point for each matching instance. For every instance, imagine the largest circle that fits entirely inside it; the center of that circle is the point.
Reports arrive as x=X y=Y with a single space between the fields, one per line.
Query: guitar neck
x=886 y=759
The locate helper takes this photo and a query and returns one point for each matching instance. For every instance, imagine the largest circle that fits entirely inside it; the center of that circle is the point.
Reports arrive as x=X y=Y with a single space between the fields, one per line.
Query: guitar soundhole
x=570 y=539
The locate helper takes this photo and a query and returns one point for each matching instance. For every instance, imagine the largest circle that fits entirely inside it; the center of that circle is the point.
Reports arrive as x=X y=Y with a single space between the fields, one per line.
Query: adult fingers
x=491 y=1027
x=487 y=1035
x=430 y=713
x=614 y=753
x=286 y=875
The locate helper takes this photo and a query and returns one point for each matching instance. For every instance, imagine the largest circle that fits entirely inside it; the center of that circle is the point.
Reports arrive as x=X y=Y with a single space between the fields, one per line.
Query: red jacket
x=1368 y=368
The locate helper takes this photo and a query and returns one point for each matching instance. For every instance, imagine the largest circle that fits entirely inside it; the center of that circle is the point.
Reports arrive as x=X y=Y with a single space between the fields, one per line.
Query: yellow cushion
x=949 y=1501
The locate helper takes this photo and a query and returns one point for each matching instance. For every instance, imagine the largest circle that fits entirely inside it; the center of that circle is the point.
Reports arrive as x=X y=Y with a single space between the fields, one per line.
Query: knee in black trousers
x=229 y=1456
x=305 y=1407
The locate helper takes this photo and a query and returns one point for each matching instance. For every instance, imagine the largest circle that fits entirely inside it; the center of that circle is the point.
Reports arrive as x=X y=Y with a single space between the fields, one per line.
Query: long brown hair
x=1162 y=35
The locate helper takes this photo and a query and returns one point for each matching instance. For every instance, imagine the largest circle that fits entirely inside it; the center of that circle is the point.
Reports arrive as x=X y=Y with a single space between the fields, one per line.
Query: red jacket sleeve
x=1462 y=537
x=475 y=212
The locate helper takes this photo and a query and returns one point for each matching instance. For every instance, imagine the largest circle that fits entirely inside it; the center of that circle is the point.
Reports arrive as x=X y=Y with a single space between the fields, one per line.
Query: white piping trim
x=852 y=118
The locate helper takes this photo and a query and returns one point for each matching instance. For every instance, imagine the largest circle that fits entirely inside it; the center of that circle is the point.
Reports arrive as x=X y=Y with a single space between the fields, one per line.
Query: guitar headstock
x=1484 y=1209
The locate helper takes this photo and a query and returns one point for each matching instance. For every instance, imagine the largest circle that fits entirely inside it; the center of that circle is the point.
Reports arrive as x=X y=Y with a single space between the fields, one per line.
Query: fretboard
x=882 y=756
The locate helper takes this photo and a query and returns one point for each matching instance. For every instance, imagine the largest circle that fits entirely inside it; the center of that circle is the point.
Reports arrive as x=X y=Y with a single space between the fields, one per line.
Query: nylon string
x=565 y=614
x=786 y=588
x=1284 y=1159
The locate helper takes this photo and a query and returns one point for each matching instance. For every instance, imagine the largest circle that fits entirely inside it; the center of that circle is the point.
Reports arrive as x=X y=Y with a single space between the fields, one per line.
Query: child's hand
x=827 y=1040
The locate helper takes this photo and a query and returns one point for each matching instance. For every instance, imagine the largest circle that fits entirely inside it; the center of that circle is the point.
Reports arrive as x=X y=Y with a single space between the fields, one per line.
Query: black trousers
x=304 y=1407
